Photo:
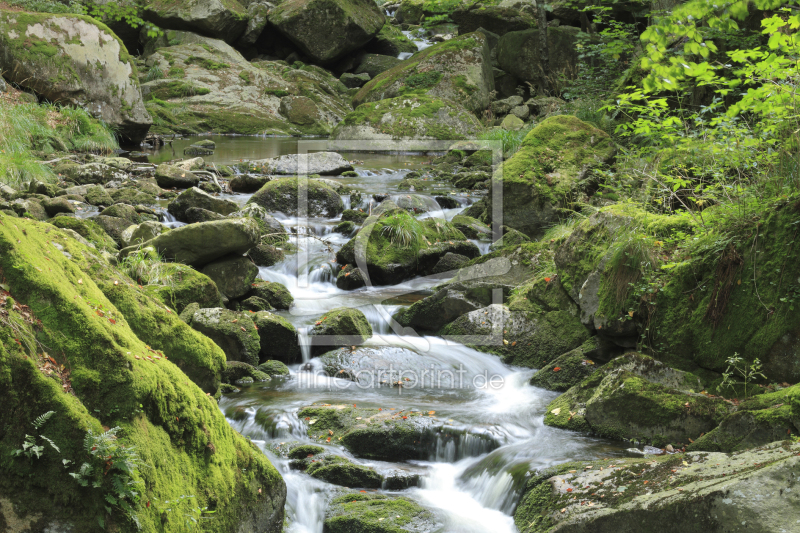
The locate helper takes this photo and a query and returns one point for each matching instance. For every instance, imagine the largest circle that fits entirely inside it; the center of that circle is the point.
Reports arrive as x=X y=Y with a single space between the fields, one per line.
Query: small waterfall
x=404 y=55
x=305 y=344
x=346 y=201
x=168 y=219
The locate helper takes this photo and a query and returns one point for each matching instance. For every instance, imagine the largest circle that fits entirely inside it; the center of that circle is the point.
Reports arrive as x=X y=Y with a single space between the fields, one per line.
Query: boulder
x=567 y=370
x=225 y=20
x=199 y=244
x=322 y=163
x=247 y=183
x=186 y=286
x=413 y=117
x=93 y=173
x=232 y=331
x=354 y=81
x=496 y=19
x=339 y=327
x=390 y=41
x=195 y=163
x=74 y=60
x=374 y=64
x=173 y=177
x=751 y=490
x=349 y=277
x=435 y=311
x=518 y=53
x=257 y=13
x=325 y=30
x=238 y=372
x=273 y=292
x=274 y=368
x=194 y=197
x=54 y=206
x=194 y=215
x=265 y=255
x=512 y=123
x=337 y=470
x=232 y=274
x=114 y=227
x=450 y=263
x=638 y=398
x=131 y=196
x=552 y=163
x=368 y=512
x=278 y=338
x=471 y=227
x=458 y=70
x=282 y=195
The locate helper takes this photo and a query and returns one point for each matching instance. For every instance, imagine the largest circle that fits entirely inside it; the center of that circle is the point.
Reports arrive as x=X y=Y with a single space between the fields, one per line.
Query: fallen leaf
x=556 y=411
x=556 y=369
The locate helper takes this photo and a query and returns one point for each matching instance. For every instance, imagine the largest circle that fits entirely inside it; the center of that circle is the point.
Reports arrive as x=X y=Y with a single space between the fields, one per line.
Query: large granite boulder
x=322 y=163
x=282 y=195
x=232 y=331
x=221 y=19
x=232 y=274
x=195 y=198
x=74 y=60
x=518 y=53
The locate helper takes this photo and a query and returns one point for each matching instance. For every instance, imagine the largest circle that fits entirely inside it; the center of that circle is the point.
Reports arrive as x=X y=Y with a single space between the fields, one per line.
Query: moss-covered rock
x=74 y=59
x=328 y=29
x=339 y=327
x=282 y=196
x=234 y=275
x=87 y=229
x=458 y=70
x=274 y=368
x=125 y=354
x=472 y=228
x=265 y=255
x=338 y=470
x=518 y=53
x=567 y=370
x=114 y=227
x=194 y=197
x=92 y=173
x=273 y=292
x=186 y=285
x=223 y=19
x=635 y=397
x=374 y=64
x=496 y=19
x=390 y=41
x=236 y=371
x=171 y=176
x=278 y=338
x=376 y=513
x=232 y=331
x=666 y=493
x=551 y=165
x=247 y=183
x=435 y=311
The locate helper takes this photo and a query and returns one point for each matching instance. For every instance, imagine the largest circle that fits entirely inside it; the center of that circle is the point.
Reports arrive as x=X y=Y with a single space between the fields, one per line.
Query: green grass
x=511 y=139
x=148 y=268
x=29 y=128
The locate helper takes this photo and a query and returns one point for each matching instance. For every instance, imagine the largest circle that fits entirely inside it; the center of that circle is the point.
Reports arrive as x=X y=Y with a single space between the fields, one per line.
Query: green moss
x=376 y=513
x=102 y=331
x=186 y=285
x=206 y=63
x=176 y=89
x=87 y=229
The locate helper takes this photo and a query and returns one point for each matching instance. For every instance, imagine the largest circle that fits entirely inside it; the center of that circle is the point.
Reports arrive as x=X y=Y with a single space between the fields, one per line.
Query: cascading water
x=483 y=439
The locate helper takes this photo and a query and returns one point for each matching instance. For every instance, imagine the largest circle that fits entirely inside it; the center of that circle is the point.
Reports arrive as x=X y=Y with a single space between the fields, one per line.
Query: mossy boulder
x=74 y=60
x=338 y=470
x=322 y=163
x=273 y=292
x=114 y=227
x=394 y=246
x=496 y=19
x=278 y=338
x=472 y=228
x=377 y=513
x=194 y=197
x=92 y=173
x=237 y=371
x=232 y=331
x=265 y=255
x=234 y=275
x=125 y=353
x=131 y=196
x=352 y=215
x=553 y=162
x=200 y=244
x=194 y=215
x=518 y=53
x=123 y=211
x=247 y=183
x=374 y=64
x=282 y=195
x=172 y=177
x=339 y=327
x=435 y=311
x=637 y=398
x=87 y=229
x=186 y=285
x=567 y=370
x=328 y=29
x=274 y=368
x=222 y=19
x=458 y=70
x=390 y=41
x=687 y=492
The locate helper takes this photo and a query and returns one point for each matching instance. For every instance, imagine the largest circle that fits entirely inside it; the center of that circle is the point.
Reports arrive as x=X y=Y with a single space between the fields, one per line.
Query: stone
x=257 y=20
x=471 y=227
x=200 y=244
x=413 y=117
x=274 y=293
x=171 y=177
x=374 y=64
x=282 y=195
x=234 y=332
x=274 y=368
x=350 y=278
x=435 y=311
x=459 y=70
x=574 y=366
x=54 y=206
x=265 y=255
x=512 y=123
x=449 y=263
x=362 y=513
x=195 y=163
x=123 y=211
x=98 y=196
x=247 y=183
x=194 y=197
x=326 y=30
x=232 y=274
x=238 y=372
x=354 y=81
x=322 y=163
x=496 y=19
x=518 y=53
x=278 y=338
x=522 y=112
x=74 y=60
x=225 y=20
x=339 y=327
x=194 y=215
x=187 y=286
x=93 y=173
x=113 y=226
x=338 y=471
x=390 y=41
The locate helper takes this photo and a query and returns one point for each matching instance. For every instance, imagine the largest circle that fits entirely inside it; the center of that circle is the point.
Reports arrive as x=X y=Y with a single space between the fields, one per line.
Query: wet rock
x=273 y=292
x=435 y=311
x=254 y=304
x=345 y=227
x=352 y=215
x=172 y=177
x=567 y=370
x=265 y=255
x=282 y=196
x=449 y=263
x=232 y=331
x=54 y=206
x=471 y=227
x=636 y=397
x=276 y=368
x=322 y=163
x=75 y=61
x=339 y=327
x=327 y=30
x=232 y=274
x=278 y=338
x=362 y=513
x=751 y=490
x=194 y=197
x=446 y=202
x=350 y=278
x=338 y=471
x=199 y=244
x=247 y=183
x=235 y=371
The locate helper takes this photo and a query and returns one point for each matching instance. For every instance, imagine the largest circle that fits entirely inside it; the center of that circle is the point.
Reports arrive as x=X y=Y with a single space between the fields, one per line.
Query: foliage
x=155 y=73
x=186 y=512
x=748 y=372
x=511 y=140
x=30 y=448
x=110 y=11
x=112 y=469
x=400 y=235
x=147 y=267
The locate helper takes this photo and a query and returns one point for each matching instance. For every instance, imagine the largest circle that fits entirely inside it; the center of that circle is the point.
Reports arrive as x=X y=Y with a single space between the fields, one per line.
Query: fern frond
x=51 y=443
x=39 y=422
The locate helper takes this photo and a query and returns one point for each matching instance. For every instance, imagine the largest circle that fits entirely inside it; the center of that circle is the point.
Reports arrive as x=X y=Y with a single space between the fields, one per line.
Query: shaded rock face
x=74 y=60
x=225 y=93
x=417 y=117
x=459 y=70
x=278 y=338
x=518 y=53
x=233 y=275
x=339 y=327
x=234 y=332
x=328 y=29
x=751 y=491
x=496 y=19
x=222 y=19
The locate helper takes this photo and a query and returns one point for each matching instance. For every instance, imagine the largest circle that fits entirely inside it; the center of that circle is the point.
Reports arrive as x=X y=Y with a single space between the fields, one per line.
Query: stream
x=470 y=486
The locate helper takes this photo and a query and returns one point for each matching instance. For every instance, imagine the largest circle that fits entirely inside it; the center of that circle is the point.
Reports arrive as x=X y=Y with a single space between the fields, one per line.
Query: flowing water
x=471 y=481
